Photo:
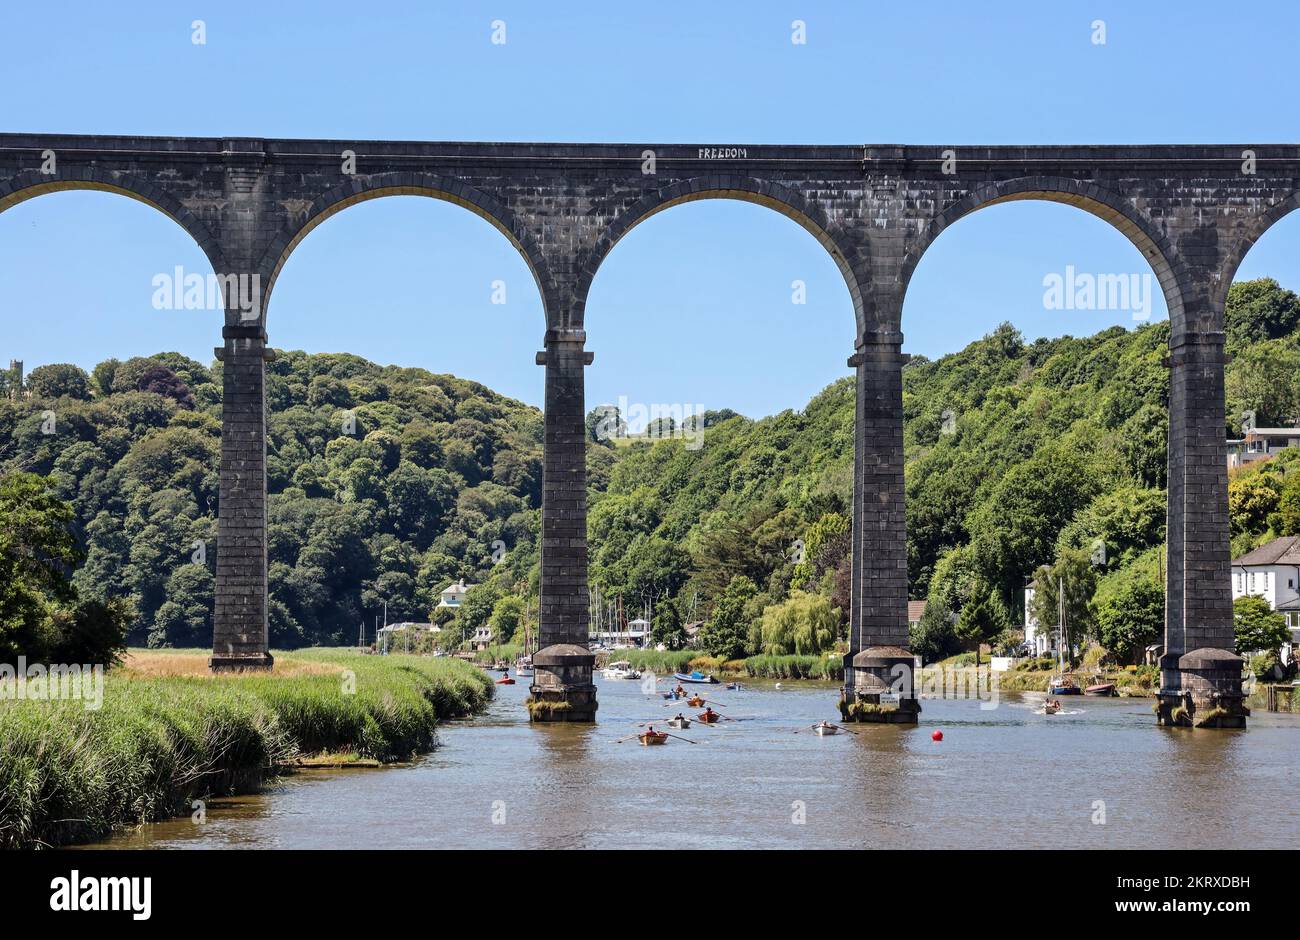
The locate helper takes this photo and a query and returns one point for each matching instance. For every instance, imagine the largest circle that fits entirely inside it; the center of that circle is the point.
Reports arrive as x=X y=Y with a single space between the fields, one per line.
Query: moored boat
x=1063 y=685
x=620 y=670
x=1101 y=688
x=697 y=677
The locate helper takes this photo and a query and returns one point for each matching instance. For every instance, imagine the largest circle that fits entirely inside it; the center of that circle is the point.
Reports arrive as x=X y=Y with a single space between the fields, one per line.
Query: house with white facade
x=1272 y=572
x=1039 y=641
x=1260 y=444
x=453 y=595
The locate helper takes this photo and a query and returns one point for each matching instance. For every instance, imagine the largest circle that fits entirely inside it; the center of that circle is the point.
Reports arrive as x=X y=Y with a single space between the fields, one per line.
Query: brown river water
x=1006 y=776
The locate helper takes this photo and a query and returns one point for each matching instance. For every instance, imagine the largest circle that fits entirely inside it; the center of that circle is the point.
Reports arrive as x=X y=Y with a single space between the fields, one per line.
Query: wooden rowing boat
x=823 y=728
x=653 y=737
x=708 y=717
x=695 y=702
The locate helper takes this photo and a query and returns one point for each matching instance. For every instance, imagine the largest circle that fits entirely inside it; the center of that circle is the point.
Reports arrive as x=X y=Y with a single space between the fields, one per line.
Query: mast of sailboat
x=1060 y=623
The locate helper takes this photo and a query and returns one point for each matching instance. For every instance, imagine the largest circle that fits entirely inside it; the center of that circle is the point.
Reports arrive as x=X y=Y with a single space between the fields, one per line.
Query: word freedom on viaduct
x=1193 y=212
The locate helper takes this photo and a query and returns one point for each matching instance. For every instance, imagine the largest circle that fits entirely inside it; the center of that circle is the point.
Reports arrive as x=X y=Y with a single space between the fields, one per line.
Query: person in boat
x=679 y=690
x=708 y=713
x=680 y=717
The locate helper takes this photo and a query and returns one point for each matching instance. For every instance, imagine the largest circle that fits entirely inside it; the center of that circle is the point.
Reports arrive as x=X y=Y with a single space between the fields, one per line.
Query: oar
x=678 y=737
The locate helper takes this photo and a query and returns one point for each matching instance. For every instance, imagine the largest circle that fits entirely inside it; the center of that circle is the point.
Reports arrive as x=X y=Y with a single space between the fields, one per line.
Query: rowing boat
x=708 y=717
x=653 y=737
x=680 y=723
x=823 y=728
x=695 y=701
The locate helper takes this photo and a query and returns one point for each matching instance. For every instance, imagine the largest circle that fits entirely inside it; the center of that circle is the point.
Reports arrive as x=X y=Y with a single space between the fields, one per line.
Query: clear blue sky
x=694 y=305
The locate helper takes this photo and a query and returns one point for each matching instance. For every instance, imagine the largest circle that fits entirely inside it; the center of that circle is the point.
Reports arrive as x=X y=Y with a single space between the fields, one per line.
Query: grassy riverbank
x=665 y=662
x=168 y=733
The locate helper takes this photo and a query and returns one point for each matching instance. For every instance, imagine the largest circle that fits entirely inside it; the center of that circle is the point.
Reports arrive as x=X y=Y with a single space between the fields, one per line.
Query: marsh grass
x=166 y=736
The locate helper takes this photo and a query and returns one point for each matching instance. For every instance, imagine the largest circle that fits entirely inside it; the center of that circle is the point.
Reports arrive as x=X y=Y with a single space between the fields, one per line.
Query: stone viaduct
x=1193 y=211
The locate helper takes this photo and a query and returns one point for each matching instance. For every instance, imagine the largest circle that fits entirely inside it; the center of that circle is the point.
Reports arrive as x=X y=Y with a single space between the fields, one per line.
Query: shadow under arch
x=848 y=257
x=407 y=184
x=31 y=184
x=1104 y=204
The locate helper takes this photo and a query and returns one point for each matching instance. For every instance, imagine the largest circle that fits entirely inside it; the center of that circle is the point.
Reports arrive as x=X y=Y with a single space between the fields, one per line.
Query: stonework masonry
x=1192 y=210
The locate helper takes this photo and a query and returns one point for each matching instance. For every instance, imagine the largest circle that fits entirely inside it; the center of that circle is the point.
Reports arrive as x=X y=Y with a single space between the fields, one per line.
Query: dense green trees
x=386 y=483
x=41 y=615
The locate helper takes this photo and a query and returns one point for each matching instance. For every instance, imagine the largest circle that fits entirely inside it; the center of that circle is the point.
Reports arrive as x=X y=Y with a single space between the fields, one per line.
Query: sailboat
x=1061 y=683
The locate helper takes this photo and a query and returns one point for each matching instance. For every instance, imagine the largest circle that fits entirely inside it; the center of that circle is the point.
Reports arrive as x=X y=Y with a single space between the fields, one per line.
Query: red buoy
x=936 y=735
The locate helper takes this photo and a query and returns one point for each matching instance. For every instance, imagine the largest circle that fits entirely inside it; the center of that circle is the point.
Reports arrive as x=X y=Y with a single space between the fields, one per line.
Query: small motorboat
x=679 y=723
x=620 y=670
x=506 y=680
x=653 y=737
x=733 y=686
x=697 y=677
x=1051 y=707
x=708 y=717
x=823 y=728
x=1063 y=685
x=1101 y=688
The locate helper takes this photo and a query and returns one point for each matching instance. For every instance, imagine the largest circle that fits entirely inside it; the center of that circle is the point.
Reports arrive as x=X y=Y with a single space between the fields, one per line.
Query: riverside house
x=1272 y=572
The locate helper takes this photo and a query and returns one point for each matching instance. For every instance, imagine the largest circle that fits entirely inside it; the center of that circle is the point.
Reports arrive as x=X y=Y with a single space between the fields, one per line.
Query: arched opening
x=404 y=433
x=113 y=312
x=1262 y=405
x=720 y=419
x=1036 y=421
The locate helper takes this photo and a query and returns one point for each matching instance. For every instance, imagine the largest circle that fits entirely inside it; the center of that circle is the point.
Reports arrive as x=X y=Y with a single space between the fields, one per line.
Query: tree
x=805 y=625
x=726 y=632
x=59 y=380
x=978 y=623
x=507 y=615
x=1257 y=627
x=1073 y=569
x=667 y=626
x=161 y=380
x=1131 y=618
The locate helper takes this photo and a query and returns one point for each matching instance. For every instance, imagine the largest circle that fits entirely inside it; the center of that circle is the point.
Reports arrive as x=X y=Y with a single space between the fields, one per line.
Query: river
x=1099 y=775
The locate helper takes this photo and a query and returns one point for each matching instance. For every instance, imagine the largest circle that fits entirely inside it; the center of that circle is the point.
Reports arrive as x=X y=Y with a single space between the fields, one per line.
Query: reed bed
x=164 y=737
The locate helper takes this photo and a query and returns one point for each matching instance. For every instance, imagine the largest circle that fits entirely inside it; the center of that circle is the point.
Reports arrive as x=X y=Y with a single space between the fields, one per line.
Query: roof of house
x=914 y=610
x=1283 y=551
x=457 y=587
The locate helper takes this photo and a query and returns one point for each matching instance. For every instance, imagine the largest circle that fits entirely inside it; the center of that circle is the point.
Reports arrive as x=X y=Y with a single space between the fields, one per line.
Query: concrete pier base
x=877 y=671
x=562 y=688
x=1201 y=689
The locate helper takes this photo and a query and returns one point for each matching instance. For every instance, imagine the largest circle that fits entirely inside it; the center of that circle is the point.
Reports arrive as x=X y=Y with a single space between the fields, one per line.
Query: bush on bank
x=69 y=774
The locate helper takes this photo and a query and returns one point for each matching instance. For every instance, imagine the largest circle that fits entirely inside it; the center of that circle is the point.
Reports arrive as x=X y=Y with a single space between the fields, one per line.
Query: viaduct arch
x=1192 y=210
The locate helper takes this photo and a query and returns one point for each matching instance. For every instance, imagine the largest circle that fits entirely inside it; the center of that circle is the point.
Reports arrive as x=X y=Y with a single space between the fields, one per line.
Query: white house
x=453 y=595
x=1272 y=572
x=1038 y=641
x=636 y=634
x=1259 y=444
x=482 y=638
